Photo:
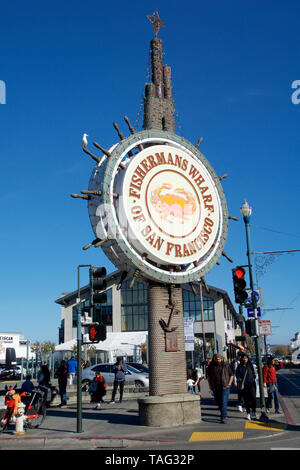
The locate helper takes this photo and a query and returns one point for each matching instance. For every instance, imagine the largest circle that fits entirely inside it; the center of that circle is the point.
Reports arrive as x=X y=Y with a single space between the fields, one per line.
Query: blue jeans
x=270 y=397
x=221 y=397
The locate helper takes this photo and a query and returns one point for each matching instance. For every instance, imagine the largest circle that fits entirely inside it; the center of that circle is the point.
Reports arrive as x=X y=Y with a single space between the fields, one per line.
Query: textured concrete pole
x=167 y=368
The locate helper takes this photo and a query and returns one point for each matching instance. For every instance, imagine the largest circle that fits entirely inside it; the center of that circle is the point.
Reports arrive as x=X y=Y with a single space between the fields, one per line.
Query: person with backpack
x=220 y=377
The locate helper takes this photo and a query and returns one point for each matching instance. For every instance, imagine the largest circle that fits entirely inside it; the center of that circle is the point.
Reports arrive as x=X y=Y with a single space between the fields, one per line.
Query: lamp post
x=246 y=211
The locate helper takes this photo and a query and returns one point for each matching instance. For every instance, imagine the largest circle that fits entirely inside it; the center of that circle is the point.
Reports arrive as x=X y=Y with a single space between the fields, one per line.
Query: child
x=98 y=390
x=190 y=383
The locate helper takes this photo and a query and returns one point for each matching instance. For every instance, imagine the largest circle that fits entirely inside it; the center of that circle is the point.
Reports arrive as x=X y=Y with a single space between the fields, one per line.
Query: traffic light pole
x=79 y=356
x=257 y=337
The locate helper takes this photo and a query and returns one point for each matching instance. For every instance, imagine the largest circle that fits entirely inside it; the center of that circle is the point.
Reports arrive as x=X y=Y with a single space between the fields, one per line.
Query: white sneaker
x=249 y=417
x=98 y=406
x=240 y=408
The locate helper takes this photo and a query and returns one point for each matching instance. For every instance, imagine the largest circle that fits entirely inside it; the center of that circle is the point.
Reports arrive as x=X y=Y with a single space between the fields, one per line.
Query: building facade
x=126 y=310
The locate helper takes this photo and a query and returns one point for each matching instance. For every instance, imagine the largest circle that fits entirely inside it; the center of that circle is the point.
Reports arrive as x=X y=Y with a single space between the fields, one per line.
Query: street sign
x=264 y=327
x=258 y=295
x=250 y=312
x=189 y=338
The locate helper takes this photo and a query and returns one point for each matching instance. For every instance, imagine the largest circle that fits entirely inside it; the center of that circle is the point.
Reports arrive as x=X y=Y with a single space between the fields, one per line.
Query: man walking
x=119 y=371
x=220 y=377
x=72 y=369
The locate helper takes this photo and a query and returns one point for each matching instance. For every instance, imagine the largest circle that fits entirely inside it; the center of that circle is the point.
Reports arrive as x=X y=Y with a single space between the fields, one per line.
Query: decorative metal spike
x=227 y=257
x=101 y=242
x=199 y=142
x=223 y=176
x=129 y=125
x=118 y=131
x=97 y=159
x=94 y=193
x=193 y=288
x=134 y=278
x=205 y=285
x=122 y=279
x=86 y=247
x=78 y=196
x=106 y=152
x=232 y=218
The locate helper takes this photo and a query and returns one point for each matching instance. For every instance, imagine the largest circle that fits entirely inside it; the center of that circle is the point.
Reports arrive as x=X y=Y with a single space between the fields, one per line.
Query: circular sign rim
x=149 y=270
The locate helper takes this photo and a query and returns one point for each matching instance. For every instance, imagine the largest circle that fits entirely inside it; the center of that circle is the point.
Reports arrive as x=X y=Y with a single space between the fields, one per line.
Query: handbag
x=271 y=388
x=243 y=382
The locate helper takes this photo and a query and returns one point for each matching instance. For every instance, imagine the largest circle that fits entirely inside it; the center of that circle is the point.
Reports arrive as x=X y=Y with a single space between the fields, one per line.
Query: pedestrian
x=190 y=382
x=86 y=363
x=27 y=386
x=246 y=384
x=197 y=375
x=72 y=369
x=98 y=389
x=62 y=375
x=270 y=381
x=220 y=377
x=44 y=376
x=240 y=397
x=119 y=370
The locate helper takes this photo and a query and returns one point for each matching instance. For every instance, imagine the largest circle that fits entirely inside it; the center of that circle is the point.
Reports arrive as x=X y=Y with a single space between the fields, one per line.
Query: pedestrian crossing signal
x=239 y=285
x=97 y=333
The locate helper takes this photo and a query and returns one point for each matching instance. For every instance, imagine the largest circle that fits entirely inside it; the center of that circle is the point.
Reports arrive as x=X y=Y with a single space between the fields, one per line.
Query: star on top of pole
x=156 y=21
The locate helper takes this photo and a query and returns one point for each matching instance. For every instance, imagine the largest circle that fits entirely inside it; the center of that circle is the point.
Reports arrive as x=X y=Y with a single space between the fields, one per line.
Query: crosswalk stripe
x=265 y=426
x=215 y=436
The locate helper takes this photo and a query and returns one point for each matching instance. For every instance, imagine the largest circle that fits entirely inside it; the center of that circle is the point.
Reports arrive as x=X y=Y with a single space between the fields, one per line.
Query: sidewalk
x=116 y=426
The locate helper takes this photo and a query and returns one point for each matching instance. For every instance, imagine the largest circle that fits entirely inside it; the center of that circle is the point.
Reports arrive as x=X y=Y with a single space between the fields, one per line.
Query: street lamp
x=246 y=212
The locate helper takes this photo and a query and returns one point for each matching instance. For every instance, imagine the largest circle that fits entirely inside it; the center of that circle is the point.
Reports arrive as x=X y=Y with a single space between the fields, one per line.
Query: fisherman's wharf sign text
x=171 y=203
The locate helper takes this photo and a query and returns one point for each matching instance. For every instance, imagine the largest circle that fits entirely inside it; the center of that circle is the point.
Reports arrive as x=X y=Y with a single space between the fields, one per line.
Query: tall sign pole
x=158 y=212
x=246 y=212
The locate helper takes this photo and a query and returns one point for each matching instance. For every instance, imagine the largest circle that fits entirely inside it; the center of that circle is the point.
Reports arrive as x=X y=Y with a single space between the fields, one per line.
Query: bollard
x=20 y=417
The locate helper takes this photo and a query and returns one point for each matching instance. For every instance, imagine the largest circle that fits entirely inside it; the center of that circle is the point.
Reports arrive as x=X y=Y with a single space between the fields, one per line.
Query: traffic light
x=97 y=284
x=250 y=327
x=239 y=284
x=97 y=332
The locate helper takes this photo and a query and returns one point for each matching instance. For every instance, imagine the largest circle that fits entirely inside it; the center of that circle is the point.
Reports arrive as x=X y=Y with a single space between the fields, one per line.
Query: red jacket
x=269 y=373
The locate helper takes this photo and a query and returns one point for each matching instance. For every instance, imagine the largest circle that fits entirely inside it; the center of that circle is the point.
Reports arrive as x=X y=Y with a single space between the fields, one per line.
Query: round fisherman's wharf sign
x=161 y=209
x=171 y=204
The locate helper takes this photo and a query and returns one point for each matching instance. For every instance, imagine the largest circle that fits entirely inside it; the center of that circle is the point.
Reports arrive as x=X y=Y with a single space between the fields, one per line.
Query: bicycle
x=34 y=412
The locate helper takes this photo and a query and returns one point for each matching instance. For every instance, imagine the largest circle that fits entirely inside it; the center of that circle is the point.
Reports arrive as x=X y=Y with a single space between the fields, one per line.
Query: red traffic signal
x=239 y=284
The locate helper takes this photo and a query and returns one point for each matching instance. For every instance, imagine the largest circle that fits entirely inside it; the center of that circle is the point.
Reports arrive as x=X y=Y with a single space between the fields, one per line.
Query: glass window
x=134 y=306
x=192 y=306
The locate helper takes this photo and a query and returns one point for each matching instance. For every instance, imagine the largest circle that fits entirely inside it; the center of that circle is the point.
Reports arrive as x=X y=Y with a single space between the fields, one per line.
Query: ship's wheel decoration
x=156 y=207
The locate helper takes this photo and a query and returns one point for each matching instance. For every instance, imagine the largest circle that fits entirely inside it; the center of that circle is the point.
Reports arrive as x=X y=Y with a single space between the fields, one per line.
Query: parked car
x=140 y=379
x=138 y=366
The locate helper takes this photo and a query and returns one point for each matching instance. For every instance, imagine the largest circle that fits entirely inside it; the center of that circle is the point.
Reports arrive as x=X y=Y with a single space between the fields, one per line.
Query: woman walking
x=270 y=381
x=246 y=384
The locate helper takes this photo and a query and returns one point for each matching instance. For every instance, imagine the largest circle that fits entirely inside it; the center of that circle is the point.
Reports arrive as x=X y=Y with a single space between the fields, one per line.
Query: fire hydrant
x=20 y=417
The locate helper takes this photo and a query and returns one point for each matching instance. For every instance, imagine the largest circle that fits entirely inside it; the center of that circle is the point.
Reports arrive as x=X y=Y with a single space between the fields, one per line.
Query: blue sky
x=73 y=67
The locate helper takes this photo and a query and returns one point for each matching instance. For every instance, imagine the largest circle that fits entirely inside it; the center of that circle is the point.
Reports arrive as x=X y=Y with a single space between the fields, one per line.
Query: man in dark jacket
x=220 y=377
x=119 y=371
